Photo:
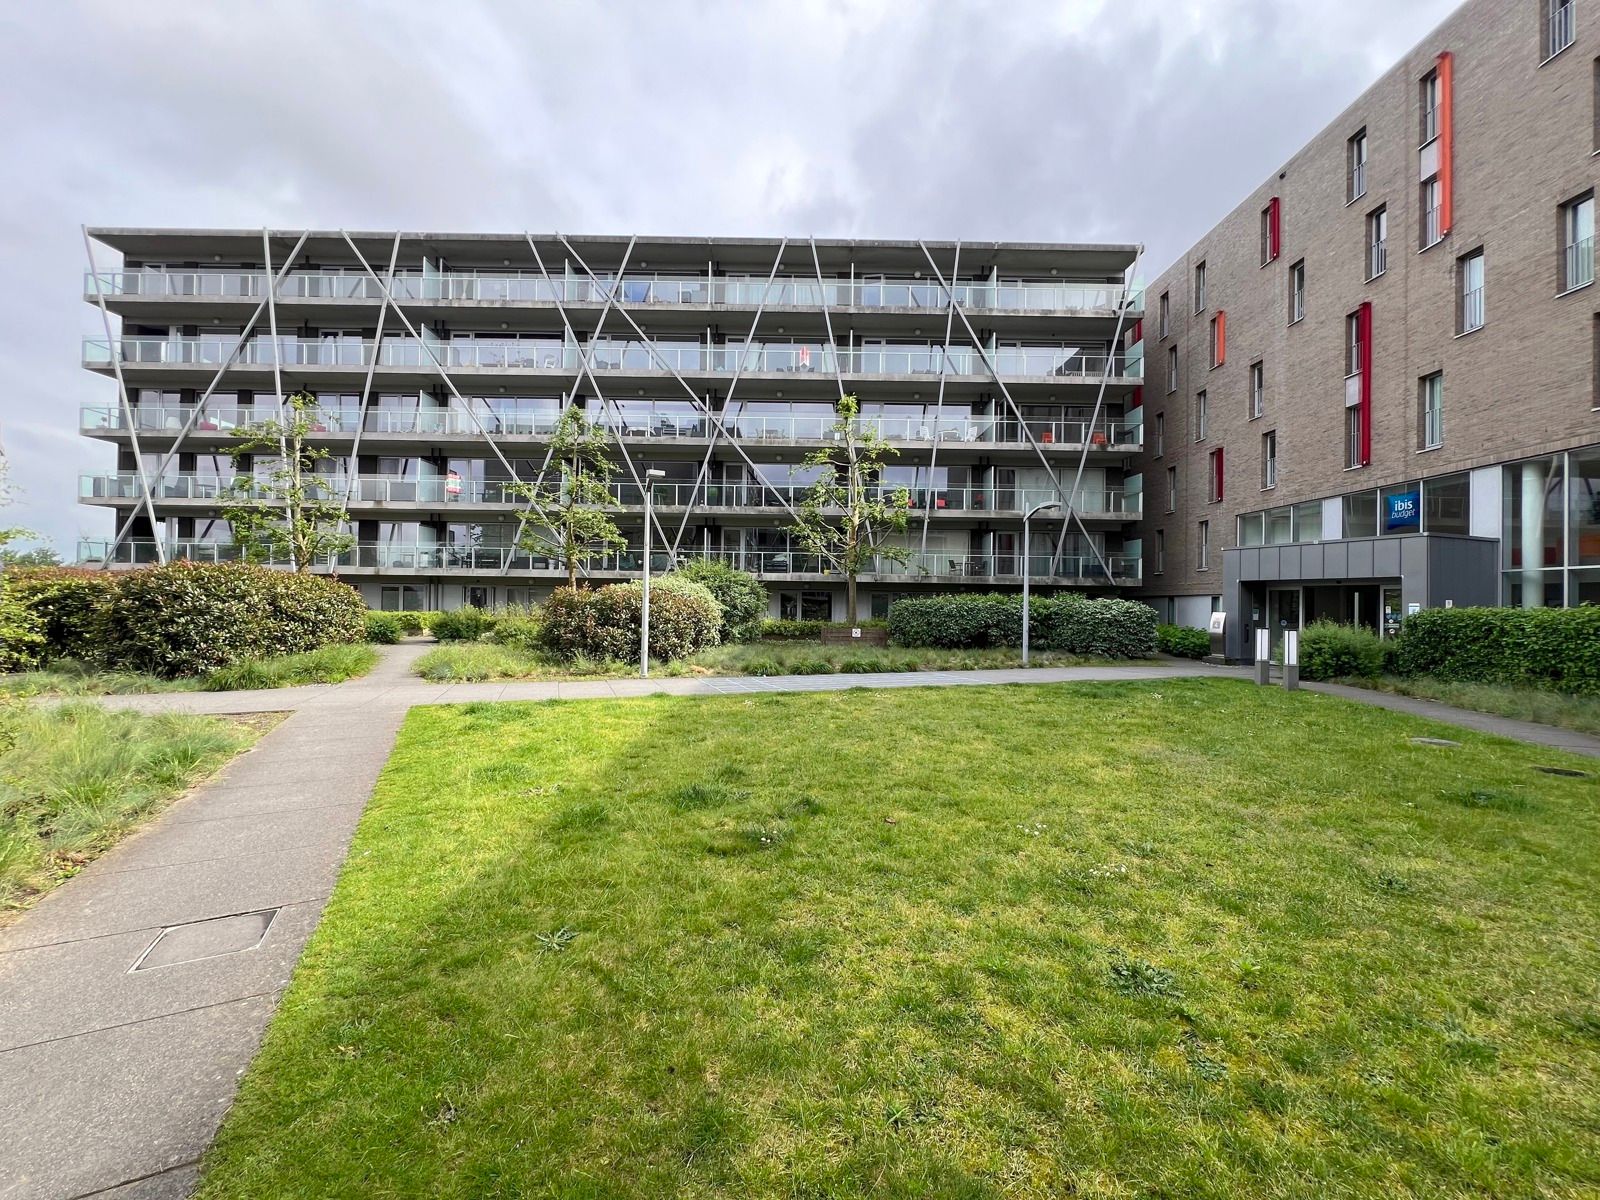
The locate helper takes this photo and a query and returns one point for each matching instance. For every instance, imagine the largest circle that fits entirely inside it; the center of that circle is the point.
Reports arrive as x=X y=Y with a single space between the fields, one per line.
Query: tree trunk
x=850 y=598
x=569 y=545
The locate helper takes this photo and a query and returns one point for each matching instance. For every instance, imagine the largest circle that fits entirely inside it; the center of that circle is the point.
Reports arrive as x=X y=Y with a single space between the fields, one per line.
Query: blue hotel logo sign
x=1404 y=511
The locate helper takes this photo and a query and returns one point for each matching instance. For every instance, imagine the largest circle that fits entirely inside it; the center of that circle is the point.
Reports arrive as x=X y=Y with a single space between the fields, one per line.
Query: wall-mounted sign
x=1403 y=510
x=1219 y=622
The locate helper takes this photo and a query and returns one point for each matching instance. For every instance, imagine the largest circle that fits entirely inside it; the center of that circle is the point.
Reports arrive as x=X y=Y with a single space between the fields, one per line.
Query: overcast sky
x=1078 y=120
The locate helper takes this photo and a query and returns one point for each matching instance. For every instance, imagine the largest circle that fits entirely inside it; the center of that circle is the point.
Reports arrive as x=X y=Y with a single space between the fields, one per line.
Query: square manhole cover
x=206 y=939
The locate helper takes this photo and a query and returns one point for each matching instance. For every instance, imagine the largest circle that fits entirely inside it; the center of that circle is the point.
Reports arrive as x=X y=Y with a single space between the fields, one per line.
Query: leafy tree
x=37 y=556
x=845 y=517
x=11 y=533
x=571 y=513
x=285 y=513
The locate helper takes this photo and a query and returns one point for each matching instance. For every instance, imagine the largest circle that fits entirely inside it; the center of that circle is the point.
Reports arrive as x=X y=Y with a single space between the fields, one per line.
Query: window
x=1430 y=400
x=1200 y=415
x=1558 y=26
x=1597 y=106
x=1352 y=436
x=1160 y=446
x=1431 y=212
x=1160 y=557
x=1352 y=345
x=1270 y=231
x=1429 y=96
x=1172 y=489
x=1200 y=287
x=1269 y=459
x=1216 y=475
x=1297 y=291
x=1172 y=368
x=1577 y=233
x=1258 y=389
x=1469 y=273
x=1204 y=544
x=1219 y=338
x=1377 y=241
x=1165 y=310
x=1357 y=176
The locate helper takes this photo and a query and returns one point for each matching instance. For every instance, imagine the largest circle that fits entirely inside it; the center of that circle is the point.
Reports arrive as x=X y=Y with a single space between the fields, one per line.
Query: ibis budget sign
x=1403 y=510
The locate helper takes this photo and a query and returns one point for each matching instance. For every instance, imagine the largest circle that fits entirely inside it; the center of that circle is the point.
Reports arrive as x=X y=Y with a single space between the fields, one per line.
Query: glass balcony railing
x=1110 y=435
x=533 y=287
x=553 y=355
x=1579 y=264
x=445 y=490
x=1072 y=569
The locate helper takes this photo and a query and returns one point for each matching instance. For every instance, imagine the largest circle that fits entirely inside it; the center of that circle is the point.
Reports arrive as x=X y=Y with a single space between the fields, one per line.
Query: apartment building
x=1004 y=375
x=1373 y=386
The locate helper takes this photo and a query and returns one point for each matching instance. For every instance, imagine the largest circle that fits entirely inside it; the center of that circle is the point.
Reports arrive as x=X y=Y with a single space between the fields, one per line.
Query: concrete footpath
x=133 y=997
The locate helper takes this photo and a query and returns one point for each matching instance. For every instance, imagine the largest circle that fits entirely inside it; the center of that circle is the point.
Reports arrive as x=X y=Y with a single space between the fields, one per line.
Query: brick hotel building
x=1373 y=385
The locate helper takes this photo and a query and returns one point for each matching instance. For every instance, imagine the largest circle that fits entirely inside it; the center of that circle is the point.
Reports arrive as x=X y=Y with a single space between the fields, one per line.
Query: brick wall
x=1525 y=136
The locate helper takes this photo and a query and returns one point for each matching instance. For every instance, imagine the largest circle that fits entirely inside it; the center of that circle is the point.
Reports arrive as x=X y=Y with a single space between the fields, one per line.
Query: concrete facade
x=1525 y=128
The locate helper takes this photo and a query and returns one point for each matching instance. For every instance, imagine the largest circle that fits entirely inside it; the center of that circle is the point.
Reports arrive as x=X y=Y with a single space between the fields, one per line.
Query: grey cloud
x=1125 y=120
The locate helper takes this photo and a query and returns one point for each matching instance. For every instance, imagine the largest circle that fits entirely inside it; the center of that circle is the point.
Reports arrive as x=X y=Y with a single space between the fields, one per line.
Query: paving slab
x=116 y=1105
x=70 y=988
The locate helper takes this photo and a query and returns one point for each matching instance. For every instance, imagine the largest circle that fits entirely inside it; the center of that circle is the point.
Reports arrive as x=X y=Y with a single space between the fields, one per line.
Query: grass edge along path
x=1537 y=705
x=76 y=778
x=326 y=664
x=480 y=661
x=1189 y=938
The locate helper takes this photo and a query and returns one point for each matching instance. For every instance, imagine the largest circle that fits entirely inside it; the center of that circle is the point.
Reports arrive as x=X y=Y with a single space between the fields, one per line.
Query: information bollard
x=1291 y=659
x=1263 y=656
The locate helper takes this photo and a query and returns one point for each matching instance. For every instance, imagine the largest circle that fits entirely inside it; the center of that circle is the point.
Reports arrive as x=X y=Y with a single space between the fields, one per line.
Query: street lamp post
x=650 y=477
x=1026 y=545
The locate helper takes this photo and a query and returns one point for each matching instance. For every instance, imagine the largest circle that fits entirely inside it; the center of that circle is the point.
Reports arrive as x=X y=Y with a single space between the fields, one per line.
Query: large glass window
x=1308 y=521
x=1430 y=399
x=1531 y=540
x=1577 y=224
x=1251 y=527
x=1447 y=503
x=1584 y=491
x=1280 y=526
x=1361 y=515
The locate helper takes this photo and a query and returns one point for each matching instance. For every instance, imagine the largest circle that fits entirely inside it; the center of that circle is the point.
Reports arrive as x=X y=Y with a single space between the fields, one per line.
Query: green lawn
x=1179 y=939
x=76 y=777
x=485 y=660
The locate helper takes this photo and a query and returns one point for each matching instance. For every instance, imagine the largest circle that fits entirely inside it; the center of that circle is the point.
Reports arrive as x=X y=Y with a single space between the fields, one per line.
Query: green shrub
x=518 y=627
x=467 y=624
x=604 y=622
x=192 y=618
x=384 y=628
x=741 y=594
x=71 y=604
x=1184 y=641
x=414 y=621
x=1329 y=650
x=792 y=631
x=1073 y=624
x=1556 y=648
x=22 y=635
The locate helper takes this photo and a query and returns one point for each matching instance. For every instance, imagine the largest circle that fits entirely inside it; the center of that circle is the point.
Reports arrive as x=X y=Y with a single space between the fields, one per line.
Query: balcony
x=533 y=287
x=333 y=424
x=1578 y=264
x=382 y=558
x=444 y=491
x=1056 y=363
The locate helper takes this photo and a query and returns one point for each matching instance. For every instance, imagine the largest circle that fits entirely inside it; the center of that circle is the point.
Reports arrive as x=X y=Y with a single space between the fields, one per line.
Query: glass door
x=1283 y=613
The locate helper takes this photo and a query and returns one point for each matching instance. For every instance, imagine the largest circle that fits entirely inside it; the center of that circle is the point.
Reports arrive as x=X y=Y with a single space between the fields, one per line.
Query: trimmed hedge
x=384 y=628
x=1329 y=650
x=70 y=603
x=192 y=618
x=1072 y=624
x=741 y=594
x=466 y=624
x=1183 y=641
x=518 y=627
x=22 y=635
x=604 y=622
x=1554 y=648
x=788 y=630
